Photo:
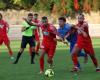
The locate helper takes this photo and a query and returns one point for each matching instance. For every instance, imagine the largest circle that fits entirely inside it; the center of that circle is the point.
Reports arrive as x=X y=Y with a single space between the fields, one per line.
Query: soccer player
x=63 y=30
x=83 y=42
x=48 y=45
x=4 y=28
x=37 y=33
x=27 y=37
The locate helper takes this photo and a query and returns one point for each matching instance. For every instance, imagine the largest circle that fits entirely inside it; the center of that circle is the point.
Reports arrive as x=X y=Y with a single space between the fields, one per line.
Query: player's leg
x=23 y=46
x=74 y=56
x=91 y=53
x=30 y=49
x=83 y=54
x=7 y=43
x=37 y=47
x=51 y=53
x=18 y=55
x=71 y=48
x=38 y=42
x=32 y=46
x=43 y=51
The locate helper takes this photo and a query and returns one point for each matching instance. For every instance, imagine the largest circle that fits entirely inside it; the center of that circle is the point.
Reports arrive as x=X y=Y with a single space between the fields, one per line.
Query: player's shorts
x=27 y=40
x=4 y=39
x=49 y=49
x=37 y=38
x=86 y=46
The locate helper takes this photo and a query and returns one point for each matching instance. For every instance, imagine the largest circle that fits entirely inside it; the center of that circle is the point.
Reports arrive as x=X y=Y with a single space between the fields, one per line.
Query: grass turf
x=62 y=65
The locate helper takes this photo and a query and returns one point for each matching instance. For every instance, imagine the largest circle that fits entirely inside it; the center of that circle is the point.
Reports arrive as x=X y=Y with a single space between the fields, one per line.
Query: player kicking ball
x=4 y=28
x=27 y=38
x=83 y=42
x=48 y=45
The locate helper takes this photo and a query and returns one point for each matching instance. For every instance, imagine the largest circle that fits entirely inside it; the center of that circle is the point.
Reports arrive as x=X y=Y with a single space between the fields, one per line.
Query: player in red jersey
x=37 y=33
x=48 y=45
x=83 y=42
x=4 y=28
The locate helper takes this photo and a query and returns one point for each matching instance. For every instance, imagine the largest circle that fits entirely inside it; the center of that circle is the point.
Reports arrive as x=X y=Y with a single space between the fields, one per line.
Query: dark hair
x=44 y=17
x=30 y=14
x=35 y=14
x=62 y=18
x=81 y=15
x=1 y=15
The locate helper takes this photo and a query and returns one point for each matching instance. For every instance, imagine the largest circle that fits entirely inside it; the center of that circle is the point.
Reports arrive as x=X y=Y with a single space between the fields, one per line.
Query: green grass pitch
x=62 y=65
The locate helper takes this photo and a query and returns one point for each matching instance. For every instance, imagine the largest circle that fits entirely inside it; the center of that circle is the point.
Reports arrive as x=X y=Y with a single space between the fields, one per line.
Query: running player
x=48 y=43
x=4 y=28
x=83 y=42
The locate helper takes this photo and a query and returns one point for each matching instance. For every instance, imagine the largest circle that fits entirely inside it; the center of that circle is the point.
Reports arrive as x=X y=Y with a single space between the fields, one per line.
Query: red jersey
x=37 y=37
x=84 y=27
x=3 y=27
x=48 y=35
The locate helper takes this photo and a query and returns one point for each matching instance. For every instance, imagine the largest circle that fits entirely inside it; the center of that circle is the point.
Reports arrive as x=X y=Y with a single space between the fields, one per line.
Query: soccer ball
x=49 y=73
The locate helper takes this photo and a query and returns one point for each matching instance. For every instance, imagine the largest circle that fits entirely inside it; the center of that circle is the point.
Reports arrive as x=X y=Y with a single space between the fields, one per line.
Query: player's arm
x=54 y=31
x=81 y=30
x=30 y=23
x=72 y=31
x=7 y=26
x=61 y=40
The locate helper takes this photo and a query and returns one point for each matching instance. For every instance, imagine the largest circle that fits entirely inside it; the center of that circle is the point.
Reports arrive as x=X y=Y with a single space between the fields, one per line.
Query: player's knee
x=21 y=50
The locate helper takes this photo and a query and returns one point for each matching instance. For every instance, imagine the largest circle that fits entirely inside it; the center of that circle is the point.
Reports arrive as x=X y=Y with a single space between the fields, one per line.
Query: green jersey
x=28 y=32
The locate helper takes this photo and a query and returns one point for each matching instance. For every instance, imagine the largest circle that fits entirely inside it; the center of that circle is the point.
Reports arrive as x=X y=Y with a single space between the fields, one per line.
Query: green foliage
x=2 y=4
x=48 y=5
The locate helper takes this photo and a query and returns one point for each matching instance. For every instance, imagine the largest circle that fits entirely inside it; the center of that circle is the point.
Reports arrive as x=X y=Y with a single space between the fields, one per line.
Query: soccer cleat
x=98 y=70
x=33 y=62
x=41 y=72
x=75 y=69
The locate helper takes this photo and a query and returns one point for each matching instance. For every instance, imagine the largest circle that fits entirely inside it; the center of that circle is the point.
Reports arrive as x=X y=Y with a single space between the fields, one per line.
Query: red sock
x=37 y=48
x=30 y=51
x=75 y=59
x=94 y=60
x=10 y=52
x=42 y=63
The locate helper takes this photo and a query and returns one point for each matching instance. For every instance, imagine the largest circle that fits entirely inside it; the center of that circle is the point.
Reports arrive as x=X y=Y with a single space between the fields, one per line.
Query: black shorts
x=27 y=40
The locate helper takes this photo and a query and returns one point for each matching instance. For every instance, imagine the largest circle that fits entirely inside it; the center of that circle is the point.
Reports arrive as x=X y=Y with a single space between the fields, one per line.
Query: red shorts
x=87 y=46
x=49 y=49
x=4 y=39
x=37 y=38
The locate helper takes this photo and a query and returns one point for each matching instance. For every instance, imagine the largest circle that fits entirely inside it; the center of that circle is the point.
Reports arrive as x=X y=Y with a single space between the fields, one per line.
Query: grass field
x=62 y=65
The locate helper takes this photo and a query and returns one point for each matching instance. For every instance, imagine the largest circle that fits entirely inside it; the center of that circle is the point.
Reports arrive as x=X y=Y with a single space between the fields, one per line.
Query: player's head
x=30 y=16
x=62 y=21
x=80 y=18
x=35 y=16
x=1 y=16
x=44 y=20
